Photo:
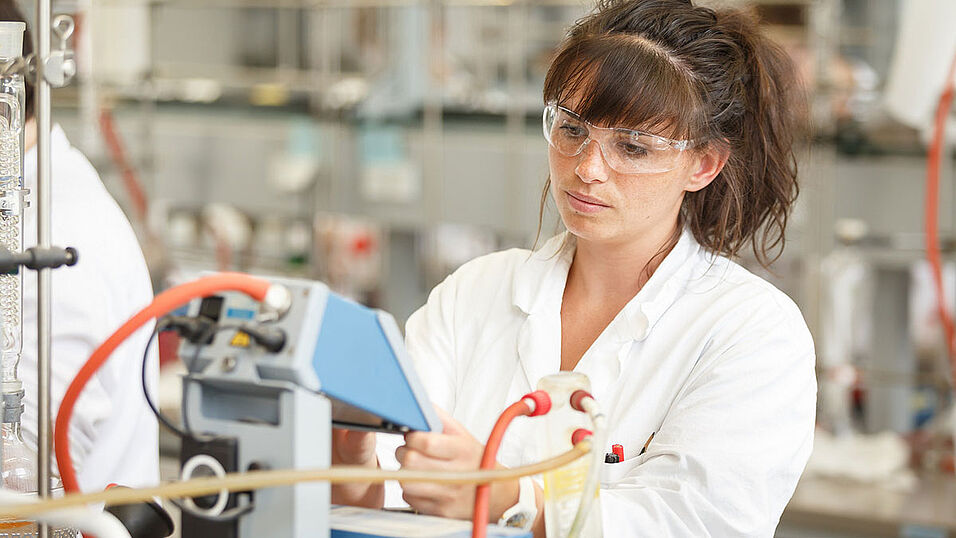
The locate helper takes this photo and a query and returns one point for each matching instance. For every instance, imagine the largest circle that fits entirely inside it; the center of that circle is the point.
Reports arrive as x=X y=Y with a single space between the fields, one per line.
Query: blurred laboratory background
x=378 y=144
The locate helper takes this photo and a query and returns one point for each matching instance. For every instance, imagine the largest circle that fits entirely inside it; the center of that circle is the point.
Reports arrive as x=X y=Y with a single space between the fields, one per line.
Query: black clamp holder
x=37 y=258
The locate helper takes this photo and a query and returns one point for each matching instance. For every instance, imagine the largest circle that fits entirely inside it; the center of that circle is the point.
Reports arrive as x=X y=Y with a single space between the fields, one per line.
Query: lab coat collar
x=542 y=276
x=539 y=283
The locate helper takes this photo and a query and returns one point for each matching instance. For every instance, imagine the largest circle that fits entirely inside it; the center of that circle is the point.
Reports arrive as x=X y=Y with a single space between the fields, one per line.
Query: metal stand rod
x=44 y=125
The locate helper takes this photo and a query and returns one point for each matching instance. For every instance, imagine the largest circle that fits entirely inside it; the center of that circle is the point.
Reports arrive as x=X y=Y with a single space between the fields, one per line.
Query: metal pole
x=44 y=445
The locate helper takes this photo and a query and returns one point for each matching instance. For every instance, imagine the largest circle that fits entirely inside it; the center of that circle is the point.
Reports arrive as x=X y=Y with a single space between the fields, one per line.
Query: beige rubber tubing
x=267 y=479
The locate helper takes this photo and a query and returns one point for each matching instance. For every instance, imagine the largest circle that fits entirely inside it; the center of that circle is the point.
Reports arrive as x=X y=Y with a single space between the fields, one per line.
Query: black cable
x=160 y=327
x=207 y=336
x=149 y=400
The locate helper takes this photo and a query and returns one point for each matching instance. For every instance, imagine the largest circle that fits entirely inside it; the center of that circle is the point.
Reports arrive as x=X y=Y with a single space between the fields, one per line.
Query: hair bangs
x=623 y=81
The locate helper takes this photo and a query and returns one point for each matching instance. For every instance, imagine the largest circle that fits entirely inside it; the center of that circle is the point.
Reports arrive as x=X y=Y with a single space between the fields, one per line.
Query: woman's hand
x=356 y=448
x=453 y=450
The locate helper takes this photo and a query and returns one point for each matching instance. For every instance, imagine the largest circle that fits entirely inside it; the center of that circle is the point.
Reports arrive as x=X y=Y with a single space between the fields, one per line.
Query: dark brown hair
x=691 y=72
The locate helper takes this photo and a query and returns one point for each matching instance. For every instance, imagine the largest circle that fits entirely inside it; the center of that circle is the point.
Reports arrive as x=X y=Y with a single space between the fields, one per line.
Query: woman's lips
x=585 y=204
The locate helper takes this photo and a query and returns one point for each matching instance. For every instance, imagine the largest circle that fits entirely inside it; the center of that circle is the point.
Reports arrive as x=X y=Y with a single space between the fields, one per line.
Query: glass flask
x=18 y=469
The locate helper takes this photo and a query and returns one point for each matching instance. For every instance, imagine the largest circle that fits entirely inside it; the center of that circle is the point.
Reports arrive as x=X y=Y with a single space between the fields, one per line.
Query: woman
x=670 y=130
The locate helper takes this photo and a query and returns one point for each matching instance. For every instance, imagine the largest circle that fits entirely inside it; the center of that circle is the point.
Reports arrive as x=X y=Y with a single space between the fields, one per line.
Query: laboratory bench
x=832 y=508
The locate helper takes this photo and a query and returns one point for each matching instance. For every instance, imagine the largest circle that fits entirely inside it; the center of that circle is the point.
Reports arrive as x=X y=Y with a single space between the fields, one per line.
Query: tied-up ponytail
x=756 y=108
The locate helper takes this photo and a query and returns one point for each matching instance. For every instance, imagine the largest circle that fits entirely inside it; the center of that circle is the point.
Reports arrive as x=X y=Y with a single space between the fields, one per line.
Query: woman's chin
x=587 y=229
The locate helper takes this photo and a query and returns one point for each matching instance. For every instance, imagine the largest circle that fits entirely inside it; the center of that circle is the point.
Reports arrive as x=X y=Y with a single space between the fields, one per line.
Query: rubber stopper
x=577 y=397
x=580 y=434
x=542 y=402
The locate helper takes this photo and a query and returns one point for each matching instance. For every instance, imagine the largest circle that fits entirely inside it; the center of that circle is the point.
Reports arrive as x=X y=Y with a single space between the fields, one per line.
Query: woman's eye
x=632 y=150
x=573 y=131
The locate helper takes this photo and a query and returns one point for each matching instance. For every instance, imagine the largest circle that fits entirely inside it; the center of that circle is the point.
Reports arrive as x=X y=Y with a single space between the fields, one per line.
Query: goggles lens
x=625 y=150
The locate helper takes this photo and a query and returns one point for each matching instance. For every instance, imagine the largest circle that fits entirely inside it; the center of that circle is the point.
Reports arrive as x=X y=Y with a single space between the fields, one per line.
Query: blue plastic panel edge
x=356 y=365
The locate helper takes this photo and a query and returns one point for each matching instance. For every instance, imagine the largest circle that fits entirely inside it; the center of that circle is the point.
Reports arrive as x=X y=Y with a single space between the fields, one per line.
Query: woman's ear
x=705 y=167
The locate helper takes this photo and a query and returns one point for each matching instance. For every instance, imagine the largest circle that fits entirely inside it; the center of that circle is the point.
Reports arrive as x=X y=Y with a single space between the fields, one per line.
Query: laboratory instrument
x=269 y=406
x=18 y=461
x=272 y=364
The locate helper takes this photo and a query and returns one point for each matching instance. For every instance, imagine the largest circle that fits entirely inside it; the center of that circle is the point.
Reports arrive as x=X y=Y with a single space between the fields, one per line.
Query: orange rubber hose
x=162 y=304
x=935 y=158
x=488 y=460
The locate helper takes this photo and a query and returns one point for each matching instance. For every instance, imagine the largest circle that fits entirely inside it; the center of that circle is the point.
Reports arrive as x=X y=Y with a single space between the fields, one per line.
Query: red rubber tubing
x=162 y=304
x=934 y=159
x=488 y=459
x=133 y=186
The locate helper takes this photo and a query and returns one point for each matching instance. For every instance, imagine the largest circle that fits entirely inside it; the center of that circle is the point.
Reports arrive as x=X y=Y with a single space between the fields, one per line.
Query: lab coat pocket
x=612 y=473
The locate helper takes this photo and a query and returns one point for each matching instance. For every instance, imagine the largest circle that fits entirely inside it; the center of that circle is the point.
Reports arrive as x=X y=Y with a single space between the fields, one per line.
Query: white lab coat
x=114 y=437
x=716 y=361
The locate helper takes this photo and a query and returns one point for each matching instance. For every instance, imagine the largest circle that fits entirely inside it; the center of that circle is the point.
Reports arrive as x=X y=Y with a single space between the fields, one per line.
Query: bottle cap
x=11 y=39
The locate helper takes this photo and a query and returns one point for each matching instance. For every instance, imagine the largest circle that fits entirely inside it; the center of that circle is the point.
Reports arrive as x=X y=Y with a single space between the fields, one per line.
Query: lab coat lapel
x=539 y=346
x=616 y=347
x=538 y=290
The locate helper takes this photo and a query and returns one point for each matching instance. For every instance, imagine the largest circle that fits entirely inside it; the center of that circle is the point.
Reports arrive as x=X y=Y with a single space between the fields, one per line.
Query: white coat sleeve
x=732 y=446
x=429 y=338
x=75 y=334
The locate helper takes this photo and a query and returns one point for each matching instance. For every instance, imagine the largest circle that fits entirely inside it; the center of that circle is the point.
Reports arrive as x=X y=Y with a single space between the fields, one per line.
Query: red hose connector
x=577 y=399
x=580 y=434
x=542 y=402
x=273 y=298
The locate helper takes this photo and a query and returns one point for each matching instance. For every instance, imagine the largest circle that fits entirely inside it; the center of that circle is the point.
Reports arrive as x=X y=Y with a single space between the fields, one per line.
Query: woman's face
x=600 y=205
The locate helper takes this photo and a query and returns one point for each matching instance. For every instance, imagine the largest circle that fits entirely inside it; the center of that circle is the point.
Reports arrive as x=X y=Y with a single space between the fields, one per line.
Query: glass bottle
x=563 y=486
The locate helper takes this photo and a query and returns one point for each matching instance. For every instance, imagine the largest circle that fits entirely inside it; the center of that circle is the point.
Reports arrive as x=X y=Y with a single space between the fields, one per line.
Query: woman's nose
x=591 y=166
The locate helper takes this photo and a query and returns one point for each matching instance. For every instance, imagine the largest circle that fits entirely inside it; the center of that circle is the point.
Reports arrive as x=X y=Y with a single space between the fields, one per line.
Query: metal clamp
x=60 y=67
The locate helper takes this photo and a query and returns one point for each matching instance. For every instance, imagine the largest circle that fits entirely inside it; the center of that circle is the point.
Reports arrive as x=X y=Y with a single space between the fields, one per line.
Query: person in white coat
x=670 y=131
x=113 y=434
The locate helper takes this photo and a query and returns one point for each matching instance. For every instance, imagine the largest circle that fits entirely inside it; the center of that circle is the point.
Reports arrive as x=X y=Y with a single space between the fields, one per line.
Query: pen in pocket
x=646 y=444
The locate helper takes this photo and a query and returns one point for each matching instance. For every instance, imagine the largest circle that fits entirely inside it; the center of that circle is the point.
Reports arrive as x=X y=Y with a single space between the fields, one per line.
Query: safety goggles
x=626 y=151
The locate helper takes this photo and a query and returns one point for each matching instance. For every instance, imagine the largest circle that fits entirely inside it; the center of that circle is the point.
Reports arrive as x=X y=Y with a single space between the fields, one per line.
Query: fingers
x=453 y=450
x=435 y=445
x=413 y=459
x=424 y=505
x=455 y=442
x=353 y=447
x=440 y=493
x=443 y=501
